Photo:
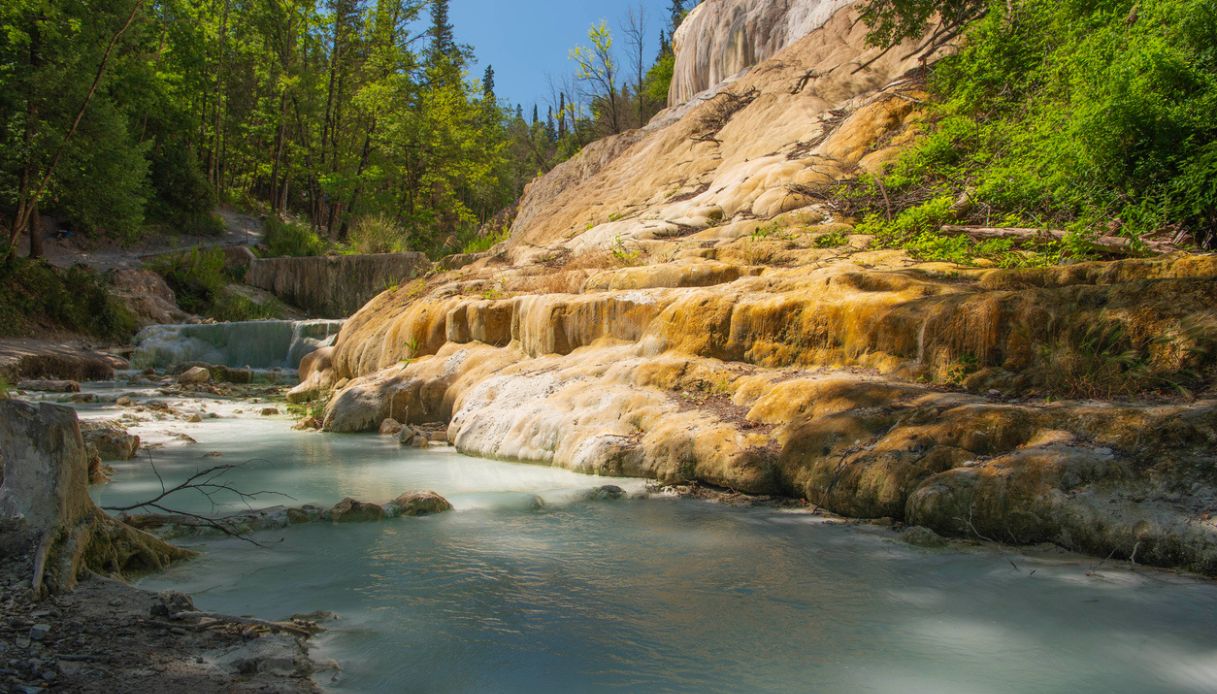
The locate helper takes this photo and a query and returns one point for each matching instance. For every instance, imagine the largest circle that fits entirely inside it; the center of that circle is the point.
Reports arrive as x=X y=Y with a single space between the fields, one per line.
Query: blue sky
x=527 y=40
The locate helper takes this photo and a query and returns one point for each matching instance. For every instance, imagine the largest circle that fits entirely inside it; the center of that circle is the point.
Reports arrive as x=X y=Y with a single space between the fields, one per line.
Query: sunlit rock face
x=722 y=37
x=692 y=302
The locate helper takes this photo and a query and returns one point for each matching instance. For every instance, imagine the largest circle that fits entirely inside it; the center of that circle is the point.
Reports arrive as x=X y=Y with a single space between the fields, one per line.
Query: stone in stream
x=352 y=511
x=45 y=503
x=419 y=504
x=196 y=375
x=414 y=436
x=390 y=427
x=108 y=441
x=922 y=536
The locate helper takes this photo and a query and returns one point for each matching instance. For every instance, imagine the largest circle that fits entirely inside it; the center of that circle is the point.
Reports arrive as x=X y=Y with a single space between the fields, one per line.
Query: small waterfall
x=266 y=344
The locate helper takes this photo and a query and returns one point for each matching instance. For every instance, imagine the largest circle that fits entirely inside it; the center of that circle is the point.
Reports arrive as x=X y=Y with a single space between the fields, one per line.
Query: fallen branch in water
x=208 y=483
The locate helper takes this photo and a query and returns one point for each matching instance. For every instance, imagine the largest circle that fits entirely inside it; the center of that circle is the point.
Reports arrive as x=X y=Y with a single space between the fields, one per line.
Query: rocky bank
x=66 y=623
x=686 y=302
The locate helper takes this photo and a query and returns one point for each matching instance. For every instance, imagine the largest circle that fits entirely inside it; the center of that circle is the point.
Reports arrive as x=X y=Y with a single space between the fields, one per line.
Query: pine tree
x=677 y=11
x=488 y=83
x=535 y=118
x=562 y=115
x=443 y=40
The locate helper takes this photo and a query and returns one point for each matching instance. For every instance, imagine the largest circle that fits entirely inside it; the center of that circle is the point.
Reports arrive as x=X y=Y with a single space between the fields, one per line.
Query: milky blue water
x=654 y=594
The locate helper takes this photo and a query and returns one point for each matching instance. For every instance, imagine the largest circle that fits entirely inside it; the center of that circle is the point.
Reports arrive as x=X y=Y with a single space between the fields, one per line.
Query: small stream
x=649 y=594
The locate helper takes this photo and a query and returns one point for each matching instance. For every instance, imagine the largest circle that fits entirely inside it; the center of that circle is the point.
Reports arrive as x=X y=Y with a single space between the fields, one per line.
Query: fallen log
x=1115 y=245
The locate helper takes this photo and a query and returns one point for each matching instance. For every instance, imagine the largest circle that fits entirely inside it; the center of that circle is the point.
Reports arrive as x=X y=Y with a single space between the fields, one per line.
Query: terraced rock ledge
x=690 y=308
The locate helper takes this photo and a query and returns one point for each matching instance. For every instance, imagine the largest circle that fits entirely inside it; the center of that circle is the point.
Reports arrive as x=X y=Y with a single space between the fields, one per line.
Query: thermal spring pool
x=568 y=594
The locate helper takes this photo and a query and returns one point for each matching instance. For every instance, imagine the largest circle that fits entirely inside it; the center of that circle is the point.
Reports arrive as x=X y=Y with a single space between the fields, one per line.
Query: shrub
x=481 y=244
x=833 y=239
x=285 y=238
x=377 y=234
x=1089 y=117
x=35 y=296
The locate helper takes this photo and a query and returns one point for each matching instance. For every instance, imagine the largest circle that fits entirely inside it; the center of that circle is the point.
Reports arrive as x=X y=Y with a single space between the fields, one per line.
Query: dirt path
x=102 y=255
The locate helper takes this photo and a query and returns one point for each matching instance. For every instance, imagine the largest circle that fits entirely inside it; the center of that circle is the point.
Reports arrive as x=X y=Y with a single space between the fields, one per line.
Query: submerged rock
x=608 y=492
x=414 y=436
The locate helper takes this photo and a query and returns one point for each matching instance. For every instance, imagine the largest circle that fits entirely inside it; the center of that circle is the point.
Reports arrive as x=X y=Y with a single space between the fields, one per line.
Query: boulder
x=147 y=296
x=420 y=504
x=196 y=375
x=45 y=504
x=922 y=536
x=351 y=511
x=269 y=411
x=316 y=376
x=414 y=436
x=108 y=441
x=228 y=374
x=390 y=427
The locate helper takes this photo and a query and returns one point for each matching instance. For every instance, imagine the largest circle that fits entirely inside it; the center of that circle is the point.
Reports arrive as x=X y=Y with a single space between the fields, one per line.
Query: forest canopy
x=129 y=117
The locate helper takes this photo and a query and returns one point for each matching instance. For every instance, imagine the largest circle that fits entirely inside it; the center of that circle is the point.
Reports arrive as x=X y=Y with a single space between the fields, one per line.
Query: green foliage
x=36 y=297
x=624 y=256
x=833 y=239
x=481 y=244
x=292 y=239
x=1091 y=117
x=659 y=78
x=201 y=282
x=196 y=277
x=329 y=112
x=377 y=234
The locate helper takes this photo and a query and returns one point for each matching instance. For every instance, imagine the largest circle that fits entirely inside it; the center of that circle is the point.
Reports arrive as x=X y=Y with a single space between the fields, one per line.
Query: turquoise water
x=655 y=594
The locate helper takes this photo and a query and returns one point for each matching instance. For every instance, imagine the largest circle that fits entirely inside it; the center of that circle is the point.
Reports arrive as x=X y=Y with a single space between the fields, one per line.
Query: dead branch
x=208 y=483
x=1109 y=244
x=718 y=114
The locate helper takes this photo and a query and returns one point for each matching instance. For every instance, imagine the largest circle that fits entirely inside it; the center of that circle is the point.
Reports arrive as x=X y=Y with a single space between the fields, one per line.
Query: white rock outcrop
x=720 y=38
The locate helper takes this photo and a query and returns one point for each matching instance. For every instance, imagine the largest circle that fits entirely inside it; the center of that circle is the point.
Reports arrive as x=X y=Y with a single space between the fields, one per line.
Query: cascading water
x=268 y=344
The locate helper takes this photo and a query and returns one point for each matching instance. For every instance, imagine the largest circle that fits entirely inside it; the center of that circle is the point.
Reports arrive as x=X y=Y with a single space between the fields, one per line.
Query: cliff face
x=684 y=302
x=720 y=38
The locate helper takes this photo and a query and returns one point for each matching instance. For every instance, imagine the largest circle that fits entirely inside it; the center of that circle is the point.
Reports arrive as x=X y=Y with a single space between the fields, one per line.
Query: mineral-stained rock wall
x=334 y=286
x=722 y=37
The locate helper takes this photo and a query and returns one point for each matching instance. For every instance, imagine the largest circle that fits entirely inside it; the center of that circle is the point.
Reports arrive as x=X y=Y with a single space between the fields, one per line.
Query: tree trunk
x=28 y=199
x=218 y=122
x=36 y=234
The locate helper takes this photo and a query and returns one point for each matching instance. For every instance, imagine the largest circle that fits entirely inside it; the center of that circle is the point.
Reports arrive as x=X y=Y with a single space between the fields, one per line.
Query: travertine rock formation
x=333 y=286
x=679 y=303
x=721 y=38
